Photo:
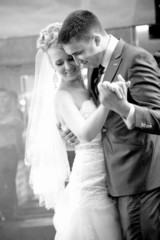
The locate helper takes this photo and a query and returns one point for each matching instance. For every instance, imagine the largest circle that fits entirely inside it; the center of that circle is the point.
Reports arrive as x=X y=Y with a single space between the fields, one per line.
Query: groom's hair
x=79 y=25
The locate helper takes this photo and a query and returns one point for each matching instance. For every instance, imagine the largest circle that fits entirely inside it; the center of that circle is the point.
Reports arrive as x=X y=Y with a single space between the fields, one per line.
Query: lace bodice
x=88 y=177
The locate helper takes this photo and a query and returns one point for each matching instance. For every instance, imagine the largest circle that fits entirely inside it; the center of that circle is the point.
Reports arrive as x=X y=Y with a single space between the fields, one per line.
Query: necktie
x=100 y=71
x=96 y=76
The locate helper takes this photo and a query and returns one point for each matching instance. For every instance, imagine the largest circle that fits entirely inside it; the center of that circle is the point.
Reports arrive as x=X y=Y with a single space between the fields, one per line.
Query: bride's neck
x=77 y=83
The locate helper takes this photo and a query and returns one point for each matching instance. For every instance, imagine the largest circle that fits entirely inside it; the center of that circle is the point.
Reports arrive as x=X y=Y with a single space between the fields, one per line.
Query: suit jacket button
x=104 y=130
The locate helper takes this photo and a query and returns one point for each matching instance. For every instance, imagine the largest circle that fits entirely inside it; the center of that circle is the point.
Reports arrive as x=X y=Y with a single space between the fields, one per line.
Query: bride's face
x=64 y=64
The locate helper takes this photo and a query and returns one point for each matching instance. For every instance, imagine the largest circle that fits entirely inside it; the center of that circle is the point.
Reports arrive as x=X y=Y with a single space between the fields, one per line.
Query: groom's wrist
x=127 y=110
x=129 y=118
x=124 y=110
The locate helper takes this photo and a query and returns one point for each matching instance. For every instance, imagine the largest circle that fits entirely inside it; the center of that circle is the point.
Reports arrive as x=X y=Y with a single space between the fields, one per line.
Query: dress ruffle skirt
x=85 y=211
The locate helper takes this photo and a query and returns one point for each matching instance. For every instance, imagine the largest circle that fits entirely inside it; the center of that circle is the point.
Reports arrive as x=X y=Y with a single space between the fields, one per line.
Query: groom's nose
x=76 y=60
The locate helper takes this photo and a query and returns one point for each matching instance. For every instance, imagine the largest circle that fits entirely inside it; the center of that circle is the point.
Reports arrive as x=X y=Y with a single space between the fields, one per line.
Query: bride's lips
x=70 y=72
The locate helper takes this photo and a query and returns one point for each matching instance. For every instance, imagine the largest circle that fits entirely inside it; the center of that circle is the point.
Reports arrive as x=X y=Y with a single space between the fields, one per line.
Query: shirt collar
x=109 y=50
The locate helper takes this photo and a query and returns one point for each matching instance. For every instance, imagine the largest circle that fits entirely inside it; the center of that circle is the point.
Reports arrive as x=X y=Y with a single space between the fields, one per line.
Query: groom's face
x=84 y=52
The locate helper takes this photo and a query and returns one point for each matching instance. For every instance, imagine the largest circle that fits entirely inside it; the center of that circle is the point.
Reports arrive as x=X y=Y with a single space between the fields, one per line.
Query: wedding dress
x=85 y=211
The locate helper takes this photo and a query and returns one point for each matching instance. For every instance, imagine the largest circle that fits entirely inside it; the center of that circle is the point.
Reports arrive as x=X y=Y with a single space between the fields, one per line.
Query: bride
x=83 y=209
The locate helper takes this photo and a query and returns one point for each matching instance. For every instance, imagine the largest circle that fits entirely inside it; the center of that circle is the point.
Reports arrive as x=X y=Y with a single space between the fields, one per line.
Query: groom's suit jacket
x=133 y=156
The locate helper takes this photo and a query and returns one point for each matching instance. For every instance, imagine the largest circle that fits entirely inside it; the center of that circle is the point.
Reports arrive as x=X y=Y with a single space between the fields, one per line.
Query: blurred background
x=136 y=21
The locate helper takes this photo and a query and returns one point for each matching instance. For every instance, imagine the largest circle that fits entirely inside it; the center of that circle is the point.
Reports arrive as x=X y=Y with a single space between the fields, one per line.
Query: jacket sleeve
x=144 y=92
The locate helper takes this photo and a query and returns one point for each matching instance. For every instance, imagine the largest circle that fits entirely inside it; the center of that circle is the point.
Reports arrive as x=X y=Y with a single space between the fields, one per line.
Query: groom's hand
x=114 y=96
x=119 y=87
x=69 y=138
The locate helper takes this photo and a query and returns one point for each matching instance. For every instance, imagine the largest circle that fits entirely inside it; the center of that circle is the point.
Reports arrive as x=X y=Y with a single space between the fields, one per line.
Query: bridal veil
x=45 y=149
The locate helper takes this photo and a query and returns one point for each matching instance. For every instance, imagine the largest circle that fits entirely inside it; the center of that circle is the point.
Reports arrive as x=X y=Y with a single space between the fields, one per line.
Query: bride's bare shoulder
x=62 y=102
x=62 y=96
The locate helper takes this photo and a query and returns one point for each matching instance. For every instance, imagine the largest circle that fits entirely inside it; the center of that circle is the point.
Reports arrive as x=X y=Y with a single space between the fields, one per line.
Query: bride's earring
x=56 y=79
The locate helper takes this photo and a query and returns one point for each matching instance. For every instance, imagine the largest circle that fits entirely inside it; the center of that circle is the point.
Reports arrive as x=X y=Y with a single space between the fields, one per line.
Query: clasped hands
x=113 y=96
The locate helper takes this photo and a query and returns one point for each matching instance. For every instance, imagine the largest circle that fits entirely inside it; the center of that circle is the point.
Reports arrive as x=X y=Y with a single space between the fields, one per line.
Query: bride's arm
x=84 y=129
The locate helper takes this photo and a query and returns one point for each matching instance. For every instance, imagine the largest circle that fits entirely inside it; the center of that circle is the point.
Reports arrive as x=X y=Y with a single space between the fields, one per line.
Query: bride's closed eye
x=59 y=63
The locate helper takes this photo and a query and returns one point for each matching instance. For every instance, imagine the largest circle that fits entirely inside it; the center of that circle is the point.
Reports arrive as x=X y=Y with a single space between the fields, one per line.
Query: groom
x=131 y=135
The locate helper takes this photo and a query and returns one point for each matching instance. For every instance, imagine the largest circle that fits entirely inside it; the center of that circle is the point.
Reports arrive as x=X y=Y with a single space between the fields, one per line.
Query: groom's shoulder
x=133 y=49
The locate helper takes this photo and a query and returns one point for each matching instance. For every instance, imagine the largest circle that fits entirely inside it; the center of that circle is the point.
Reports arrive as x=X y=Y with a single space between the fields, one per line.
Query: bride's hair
x=49 y=37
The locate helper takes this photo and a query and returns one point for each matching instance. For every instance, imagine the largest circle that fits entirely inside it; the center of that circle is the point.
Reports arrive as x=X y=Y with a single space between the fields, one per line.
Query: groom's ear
x=97 y=39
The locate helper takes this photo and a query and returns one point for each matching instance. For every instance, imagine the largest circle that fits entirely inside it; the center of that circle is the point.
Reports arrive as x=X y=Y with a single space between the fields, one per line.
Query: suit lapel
x=111 y=69
x=114 y=62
